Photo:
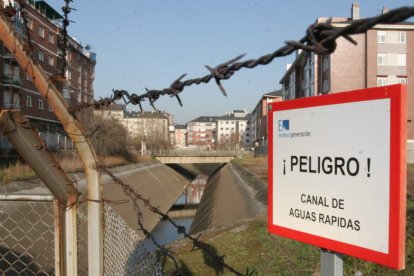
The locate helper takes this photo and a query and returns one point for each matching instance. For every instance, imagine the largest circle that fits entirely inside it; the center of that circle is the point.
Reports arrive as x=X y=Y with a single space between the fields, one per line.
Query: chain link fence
x=124 y=253
x=27 y=240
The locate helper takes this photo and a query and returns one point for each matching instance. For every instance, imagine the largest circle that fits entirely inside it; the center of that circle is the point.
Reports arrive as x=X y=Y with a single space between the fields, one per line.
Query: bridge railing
x=197 y=152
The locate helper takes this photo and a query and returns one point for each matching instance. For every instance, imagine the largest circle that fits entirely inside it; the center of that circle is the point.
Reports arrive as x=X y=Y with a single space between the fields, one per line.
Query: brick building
x=201 y=132
x=180 y=136
x=16 y=88
x=384 y=55
x=257 y=125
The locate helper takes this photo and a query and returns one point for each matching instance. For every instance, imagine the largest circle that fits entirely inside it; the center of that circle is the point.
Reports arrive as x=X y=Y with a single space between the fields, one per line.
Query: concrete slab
x=227 y=198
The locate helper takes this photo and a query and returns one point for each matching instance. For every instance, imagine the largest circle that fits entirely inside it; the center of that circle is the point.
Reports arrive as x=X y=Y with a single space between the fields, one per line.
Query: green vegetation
x=248 y=245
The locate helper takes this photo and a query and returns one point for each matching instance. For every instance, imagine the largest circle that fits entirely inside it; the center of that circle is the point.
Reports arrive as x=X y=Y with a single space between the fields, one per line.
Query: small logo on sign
x=283 y=125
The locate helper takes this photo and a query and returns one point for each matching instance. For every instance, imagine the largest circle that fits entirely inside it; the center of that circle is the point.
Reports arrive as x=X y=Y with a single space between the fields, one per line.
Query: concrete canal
x=218 y=195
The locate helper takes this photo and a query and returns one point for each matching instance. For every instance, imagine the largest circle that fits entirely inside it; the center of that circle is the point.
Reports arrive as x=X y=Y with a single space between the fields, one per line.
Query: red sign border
x=398 y=173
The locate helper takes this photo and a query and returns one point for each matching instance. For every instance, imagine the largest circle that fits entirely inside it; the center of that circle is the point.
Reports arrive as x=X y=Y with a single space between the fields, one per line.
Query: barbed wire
x=320 y=38
x=64 y=32
x=217 y=261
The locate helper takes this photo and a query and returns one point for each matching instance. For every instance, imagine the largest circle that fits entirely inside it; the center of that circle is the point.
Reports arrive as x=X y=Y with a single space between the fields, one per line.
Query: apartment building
x=141 y=126
x=257 y=124
x=17 y=91
x=147 y=126
x=384 y=55
x=231 y=129
x=201 y=132
x=180 y=136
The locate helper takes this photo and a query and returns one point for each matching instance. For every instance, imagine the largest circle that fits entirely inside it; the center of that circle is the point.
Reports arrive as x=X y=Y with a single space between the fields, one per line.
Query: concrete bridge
x=195 y=156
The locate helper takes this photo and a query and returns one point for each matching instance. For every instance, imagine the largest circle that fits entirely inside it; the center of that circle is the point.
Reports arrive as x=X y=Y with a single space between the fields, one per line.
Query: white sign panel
x=331 y=171
x=337 y=172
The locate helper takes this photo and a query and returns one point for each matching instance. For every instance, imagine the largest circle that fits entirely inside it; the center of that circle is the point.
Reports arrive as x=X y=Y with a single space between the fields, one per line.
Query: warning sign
x=337 y=172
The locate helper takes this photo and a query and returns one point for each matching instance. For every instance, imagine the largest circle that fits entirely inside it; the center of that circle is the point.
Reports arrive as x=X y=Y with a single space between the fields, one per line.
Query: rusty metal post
x=73 y=128
x=31 y=148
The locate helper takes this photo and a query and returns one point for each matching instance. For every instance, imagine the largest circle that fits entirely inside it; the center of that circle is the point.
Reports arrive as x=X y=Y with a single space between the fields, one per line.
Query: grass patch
x=246 y=246
x=256 y=165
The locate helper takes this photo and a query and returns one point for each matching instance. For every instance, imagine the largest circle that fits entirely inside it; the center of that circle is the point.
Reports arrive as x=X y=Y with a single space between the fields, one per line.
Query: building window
x=51 y=61
x=381 y=59
x=51 y=38
x=68 y=74
x=41 y=32
x=402 y=79
x=401 y=59
x=402 y=37
x=50 y=109
x=41 y=105
x=382 y=37
x=28 y=101
x=381 y=81
x=29 y=23
x=40 y=56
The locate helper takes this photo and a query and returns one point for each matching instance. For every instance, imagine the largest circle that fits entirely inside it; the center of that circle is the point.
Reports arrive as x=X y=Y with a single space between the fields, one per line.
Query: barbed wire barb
x=222 y=72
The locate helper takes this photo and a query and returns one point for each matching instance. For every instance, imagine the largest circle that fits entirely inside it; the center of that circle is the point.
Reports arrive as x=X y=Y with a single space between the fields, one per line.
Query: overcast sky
x=148 y=44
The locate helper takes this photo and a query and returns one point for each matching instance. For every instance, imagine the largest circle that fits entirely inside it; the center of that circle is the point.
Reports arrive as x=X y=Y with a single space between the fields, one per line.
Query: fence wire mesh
x=82 y=230
x=124 y=253
x=27 y=242
x=27 y=239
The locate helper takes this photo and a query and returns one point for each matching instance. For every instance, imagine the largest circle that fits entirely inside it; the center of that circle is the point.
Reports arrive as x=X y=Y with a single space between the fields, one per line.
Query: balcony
x=12 y=79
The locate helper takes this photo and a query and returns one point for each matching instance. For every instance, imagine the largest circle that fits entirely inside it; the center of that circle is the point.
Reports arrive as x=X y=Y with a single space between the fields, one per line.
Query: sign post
x=331 y=263
x=337 y=173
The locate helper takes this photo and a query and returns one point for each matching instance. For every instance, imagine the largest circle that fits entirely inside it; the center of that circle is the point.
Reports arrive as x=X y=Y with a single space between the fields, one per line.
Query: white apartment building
x=231 y=129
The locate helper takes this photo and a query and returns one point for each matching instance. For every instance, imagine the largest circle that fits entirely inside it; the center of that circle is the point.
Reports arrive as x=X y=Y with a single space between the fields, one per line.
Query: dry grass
x=16 y=172
x=256 y=165
x=70 y=163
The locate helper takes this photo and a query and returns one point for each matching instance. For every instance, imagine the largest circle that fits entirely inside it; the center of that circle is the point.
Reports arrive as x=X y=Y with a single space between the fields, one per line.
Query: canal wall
x=231 y=194
x=155 y=181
